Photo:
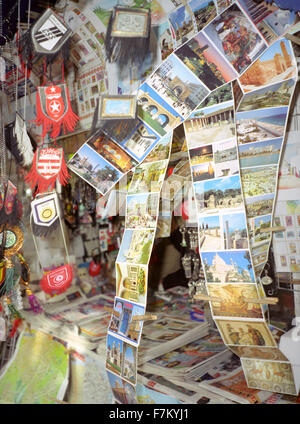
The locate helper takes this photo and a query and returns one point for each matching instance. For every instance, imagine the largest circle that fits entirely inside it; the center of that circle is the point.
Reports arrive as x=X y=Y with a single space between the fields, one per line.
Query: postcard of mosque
x=142 y=210
x=131 y=282
x=273 y=376
x=236 y=37
x=233 y=301
x=178 y=86
x=248 y=333
x=230 y=266
x=94 y=169
x=136 y=246
x=204 y=60
x=122 y=324
x=274 y=65
x=123 y=392
x=112 y=152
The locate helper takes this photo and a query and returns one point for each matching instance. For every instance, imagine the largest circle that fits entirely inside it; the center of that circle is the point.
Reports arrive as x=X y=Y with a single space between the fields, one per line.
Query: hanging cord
x=18 y=46
x=26 y=66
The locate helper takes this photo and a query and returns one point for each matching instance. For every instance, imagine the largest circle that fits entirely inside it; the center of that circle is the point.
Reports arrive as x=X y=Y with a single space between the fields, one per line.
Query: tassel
x=9 y=278
x=41 y=231
x=23 y=141
x=16 y=324
x=25 y=278
x=12 y=310
x=34 y=304
x=35 y=176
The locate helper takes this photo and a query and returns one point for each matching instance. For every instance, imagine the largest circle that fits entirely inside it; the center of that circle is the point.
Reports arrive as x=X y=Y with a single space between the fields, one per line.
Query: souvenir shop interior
x=149 y=202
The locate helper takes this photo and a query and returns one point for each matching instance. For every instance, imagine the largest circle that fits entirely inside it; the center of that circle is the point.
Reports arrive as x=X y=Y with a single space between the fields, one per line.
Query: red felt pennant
x=54 y=110
x=58 y=280
x=48 y=166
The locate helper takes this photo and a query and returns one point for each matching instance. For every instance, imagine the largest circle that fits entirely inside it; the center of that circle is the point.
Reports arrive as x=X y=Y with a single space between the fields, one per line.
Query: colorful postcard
x=273 y=376
x=202 y=58
x=121 y=358
x=271 y=353
x=234 y=230
x=178 y=86
x=121 y=321
x=276 y=64
x=233 y=302
x=220 y=95
x=94 y=169
x=131 y=282
x=148 y=177
x=112 y=152
x=161 y=151
x=227 y=266
x=236 y=38
x=259 y=180
x=259 y=205
x=227 y=169
x=141 y=141
x=210 y=234
x=271 y=96
x=257 y=224
x=182 y=23
x=280 y=22
x=222 y=193
x=256 y=12
x=136 y=246
x=211 y=124
x=122 y=391
x=201 y=155
x=261 y=124
x=289 y=168
x=142 y=210
x=225 y=151
x=117 y=107
x=204 y=11
x=247 y=333
x=260 y=153
x=202 y=172
x=155 y=111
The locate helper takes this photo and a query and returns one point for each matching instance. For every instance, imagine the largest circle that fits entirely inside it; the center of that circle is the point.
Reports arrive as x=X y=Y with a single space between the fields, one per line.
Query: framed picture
x=131 y=23
x=117 y=107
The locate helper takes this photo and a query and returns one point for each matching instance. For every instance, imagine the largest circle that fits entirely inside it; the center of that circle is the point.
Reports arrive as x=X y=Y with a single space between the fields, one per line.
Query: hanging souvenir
x=58 y=280
x=45 y=214
x=48 y=36
x=48 y=166
x=23 y=141
x=127 y=37
x=9 y=212
x=54 y=109
x=25 y=279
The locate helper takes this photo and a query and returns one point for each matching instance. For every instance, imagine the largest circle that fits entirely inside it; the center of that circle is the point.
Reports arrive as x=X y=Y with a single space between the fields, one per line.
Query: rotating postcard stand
x=45 y=218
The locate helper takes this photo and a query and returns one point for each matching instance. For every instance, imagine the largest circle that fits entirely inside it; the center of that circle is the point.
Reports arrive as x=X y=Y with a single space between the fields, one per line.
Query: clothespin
x=63 y=402
x=263 y=300
x=272 y=229
x=206 y=297
x=147 y=317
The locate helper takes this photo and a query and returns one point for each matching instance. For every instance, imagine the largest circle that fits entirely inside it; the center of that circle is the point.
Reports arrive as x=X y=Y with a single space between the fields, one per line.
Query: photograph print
x=204 y=11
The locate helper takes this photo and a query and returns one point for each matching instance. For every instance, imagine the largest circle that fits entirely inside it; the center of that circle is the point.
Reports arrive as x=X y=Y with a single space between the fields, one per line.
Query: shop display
x=129 y=130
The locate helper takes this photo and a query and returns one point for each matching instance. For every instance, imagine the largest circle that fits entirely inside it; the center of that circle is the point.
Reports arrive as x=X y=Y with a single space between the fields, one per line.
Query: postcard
x=210 y=124
x=259 y=205
x=121 y=321
x=265 y=70
x=248 y=333
x=234 y=230
x=182 y=24
x=275 y=95
x=227 y=169
x=220 y=95
x=210 y=234
x=141 y=141
x=233 y=302
x=204 y=11
x=201 y=155
x=148 y=177
x=261 y=124
x=237 y=93
x=260 y=153
x=273 y=376
x=117 y=107
x=236 y=38
x=167 y=328
x=259 y=180
x=122 y=391
x=161 y=151
x=155 y=111
x=256 y=225
x=131 y=282
x=225 y=151
x=142 y=210
x=221 y=193
x=227 y=266
x=94 y=169
x=270 y=353
x=178 y=86
x=202 y=58
x=202 y=172
x=136 y=246
x=112 y=152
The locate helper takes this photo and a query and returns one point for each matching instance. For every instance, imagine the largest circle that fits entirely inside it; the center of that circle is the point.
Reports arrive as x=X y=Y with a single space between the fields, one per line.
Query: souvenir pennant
x=49 y=33
x=8 y=203
x=54 y=109
x=23 y=140
x=58 y=280
x=45 y=214
x=48 y=166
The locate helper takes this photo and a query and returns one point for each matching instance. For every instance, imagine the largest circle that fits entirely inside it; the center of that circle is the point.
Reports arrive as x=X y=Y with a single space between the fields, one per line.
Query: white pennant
x=2 y=69
x=23 y=140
